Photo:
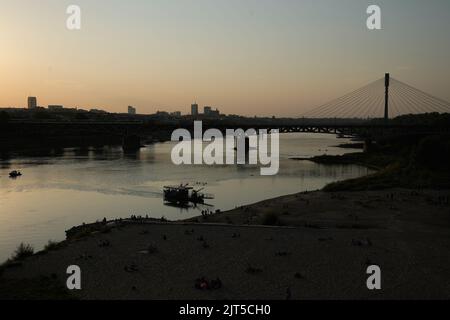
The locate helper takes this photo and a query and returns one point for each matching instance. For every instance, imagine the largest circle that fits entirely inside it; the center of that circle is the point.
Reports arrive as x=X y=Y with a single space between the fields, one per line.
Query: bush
x=271 y=219
x=433 y=152
x=22 y=252
x=52 y=245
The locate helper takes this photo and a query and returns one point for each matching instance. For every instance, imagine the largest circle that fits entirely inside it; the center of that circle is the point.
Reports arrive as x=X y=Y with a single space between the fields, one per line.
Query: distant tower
x=194 y=109
x=386 y=96
x=32 y=102
x=131 y=110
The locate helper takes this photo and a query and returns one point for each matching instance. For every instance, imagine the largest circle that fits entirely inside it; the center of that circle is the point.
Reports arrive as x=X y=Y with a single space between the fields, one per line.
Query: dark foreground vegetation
x=42 y=287
x=409 y=160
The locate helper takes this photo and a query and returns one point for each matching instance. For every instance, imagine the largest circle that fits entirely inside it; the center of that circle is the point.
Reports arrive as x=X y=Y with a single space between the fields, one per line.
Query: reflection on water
x=61 y=188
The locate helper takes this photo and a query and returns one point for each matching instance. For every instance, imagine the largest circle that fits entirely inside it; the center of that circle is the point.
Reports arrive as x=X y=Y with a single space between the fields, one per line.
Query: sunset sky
x=277 y=57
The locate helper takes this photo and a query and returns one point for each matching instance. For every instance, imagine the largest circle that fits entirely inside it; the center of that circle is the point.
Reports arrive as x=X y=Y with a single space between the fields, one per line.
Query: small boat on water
x=183 y=194
x=15 y=174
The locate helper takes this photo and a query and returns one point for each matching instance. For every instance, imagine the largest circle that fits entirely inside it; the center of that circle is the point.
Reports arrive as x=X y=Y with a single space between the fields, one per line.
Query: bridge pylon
x=367 y=102
x=387 y=78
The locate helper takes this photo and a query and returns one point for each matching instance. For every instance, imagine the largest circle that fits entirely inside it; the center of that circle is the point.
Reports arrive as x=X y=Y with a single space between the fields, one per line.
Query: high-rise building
x=210 y=113
x=194 y=109
x=32 y=102
x=131 y=110
x=207 y=111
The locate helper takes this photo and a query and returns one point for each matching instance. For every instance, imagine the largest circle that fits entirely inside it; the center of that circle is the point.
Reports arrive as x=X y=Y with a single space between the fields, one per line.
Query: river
x=63 y=188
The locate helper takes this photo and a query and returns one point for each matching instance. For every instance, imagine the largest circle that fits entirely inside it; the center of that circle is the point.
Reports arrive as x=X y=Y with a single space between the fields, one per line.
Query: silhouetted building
x=176 y=114
x=194 y=109
x=207 y=111
x=210 y=113
x=131 y=110
x=162 y=115
x=99 y=111
x=32 y=102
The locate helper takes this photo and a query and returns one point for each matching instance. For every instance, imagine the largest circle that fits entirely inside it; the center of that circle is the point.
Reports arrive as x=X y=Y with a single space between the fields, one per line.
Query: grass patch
x=53 y=245
x=396 y=175
x=84 y=231
x=409 y=161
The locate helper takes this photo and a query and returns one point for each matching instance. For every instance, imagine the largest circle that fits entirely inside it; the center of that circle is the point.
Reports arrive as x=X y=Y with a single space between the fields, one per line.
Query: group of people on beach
x=208 y=212
x=204 y=284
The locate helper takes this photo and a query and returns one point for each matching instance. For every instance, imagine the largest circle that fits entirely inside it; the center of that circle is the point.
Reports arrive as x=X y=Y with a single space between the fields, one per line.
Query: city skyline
x=32 y=103
x=251 y=57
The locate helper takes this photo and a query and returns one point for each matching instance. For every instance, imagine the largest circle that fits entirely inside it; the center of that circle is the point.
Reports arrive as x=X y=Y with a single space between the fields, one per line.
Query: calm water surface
x=63 y=188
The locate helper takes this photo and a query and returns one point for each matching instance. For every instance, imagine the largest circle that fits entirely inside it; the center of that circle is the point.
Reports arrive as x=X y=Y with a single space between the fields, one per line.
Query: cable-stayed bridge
x=368 y=110
x=384 y=98
x=365 y=111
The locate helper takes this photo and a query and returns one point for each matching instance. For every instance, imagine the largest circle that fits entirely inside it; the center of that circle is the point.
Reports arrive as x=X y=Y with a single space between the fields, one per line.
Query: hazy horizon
x=252 y=57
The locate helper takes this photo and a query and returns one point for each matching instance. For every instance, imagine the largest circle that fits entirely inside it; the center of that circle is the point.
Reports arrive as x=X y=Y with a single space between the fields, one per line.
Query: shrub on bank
x=23 y=251
x=52 y=245
x=271 y=219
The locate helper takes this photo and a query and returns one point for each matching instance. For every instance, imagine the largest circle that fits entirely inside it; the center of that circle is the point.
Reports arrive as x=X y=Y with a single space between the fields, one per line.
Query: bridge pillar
x=368 y=145
x=386 y=96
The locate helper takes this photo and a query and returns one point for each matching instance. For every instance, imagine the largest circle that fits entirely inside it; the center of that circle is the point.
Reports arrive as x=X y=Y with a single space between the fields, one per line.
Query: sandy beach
x=318 y=247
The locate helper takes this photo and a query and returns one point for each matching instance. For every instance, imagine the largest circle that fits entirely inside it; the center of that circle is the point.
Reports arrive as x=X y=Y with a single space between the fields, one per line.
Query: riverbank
x=313 y=245
x=412 y=161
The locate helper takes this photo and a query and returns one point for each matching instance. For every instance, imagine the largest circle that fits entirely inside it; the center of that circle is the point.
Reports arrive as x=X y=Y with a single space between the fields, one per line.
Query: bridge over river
x=366 y=112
